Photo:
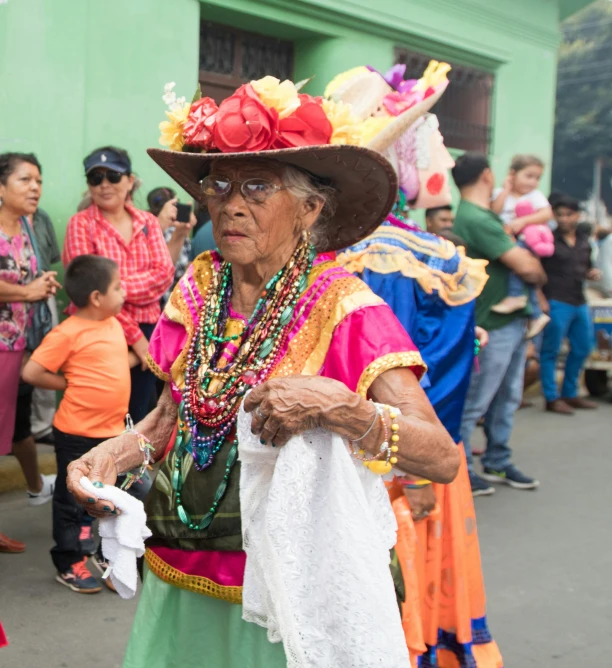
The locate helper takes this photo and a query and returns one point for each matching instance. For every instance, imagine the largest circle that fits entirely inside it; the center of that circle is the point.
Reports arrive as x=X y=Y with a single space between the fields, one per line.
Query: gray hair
x=305 y=188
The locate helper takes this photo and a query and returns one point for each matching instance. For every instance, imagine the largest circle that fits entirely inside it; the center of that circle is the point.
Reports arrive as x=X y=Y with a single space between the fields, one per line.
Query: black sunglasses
x=96 y=178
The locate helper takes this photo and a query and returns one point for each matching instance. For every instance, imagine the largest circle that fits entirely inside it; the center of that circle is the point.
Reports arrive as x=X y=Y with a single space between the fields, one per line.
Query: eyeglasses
x=96 y=178
x=255 y=190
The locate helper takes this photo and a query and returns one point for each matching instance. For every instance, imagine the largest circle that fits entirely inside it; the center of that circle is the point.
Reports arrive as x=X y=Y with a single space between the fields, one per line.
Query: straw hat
x=269 y=119
x=364 y=181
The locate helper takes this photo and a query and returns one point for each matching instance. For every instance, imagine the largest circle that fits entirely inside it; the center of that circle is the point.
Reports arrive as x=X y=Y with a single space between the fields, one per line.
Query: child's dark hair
x=567 y=202
x=524 y=160
x=469 y=168
x=86 y=274
x=9 y=162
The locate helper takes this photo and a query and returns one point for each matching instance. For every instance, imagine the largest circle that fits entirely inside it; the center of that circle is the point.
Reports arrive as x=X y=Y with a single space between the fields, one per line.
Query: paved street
x=547 y=558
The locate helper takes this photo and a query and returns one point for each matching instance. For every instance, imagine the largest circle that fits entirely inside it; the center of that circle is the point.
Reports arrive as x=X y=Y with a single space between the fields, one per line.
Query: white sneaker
x=45 y=494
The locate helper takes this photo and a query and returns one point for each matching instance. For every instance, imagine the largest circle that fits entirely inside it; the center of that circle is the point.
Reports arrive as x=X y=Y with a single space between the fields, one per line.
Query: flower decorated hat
x=396 y=123
x=272 y=119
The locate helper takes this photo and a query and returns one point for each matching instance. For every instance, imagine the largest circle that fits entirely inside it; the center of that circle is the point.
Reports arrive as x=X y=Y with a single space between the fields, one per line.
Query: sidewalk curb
x=11 y=477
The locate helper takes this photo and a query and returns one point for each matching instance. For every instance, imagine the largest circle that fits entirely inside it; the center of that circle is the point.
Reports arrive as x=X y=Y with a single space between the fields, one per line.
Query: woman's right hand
x=42 y=287
x=99 y=466
x=167 y=216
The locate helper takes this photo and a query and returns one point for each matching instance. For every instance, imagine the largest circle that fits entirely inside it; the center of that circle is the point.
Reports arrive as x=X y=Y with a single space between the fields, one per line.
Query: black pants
x=143 y=383
x=67 y=514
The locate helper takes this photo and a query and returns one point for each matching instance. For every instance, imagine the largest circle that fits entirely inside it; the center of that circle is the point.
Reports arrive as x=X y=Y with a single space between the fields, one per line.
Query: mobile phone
x=183 y=213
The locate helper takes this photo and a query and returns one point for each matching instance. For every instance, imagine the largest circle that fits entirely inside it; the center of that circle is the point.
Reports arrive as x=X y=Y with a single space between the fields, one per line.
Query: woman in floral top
x=20 y=191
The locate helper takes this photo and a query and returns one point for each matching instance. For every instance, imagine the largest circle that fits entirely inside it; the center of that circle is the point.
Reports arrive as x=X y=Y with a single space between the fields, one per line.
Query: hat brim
x=365 y=182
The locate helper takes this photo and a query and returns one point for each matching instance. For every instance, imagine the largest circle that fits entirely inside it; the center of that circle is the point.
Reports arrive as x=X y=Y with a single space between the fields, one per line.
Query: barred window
x=230 y=57
x=464 y=109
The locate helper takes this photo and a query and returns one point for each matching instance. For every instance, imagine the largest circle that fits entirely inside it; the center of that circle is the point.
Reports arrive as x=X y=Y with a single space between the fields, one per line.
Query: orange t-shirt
x=93 y=356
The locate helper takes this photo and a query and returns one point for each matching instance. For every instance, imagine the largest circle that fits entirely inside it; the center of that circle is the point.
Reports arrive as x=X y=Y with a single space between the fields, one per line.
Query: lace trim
x=410 y=359
x=156 y=369
x=193 y=583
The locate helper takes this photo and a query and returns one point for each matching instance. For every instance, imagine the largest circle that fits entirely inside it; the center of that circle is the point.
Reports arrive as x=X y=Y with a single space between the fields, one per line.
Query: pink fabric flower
x=200 y=123
x=306 y=126
x=244 y=123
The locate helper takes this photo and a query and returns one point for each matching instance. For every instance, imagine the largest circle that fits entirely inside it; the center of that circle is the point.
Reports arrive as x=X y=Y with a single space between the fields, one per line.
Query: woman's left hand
x=285 y=407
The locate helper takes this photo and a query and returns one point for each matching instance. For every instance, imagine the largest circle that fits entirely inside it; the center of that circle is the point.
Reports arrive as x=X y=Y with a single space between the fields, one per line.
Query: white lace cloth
x=317 y=529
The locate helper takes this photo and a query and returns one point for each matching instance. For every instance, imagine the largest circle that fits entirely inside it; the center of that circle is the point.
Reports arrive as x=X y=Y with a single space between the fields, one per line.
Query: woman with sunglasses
x=113 y=227
x=20 y=191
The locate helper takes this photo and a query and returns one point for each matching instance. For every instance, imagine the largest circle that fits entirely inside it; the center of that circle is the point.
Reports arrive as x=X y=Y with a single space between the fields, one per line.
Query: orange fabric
x=93 y=356
x=441 y=566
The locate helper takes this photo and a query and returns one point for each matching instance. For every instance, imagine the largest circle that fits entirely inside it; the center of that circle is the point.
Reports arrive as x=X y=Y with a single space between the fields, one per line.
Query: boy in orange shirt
x=90 y=350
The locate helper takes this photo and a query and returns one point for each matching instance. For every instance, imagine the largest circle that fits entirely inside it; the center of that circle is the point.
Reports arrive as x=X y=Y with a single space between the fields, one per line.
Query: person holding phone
x=176 y=226
x=113 y=227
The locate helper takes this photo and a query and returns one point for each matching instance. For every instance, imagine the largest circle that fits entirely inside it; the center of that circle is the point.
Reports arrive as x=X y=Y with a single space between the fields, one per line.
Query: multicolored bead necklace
x=215 y=385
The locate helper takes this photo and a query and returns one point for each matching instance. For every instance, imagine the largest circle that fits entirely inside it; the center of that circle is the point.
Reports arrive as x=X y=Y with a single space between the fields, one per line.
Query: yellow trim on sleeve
x=391 y=361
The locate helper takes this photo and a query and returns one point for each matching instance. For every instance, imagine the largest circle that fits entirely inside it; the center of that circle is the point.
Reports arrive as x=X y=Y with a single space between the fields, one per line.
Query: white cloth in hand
x=317 y=530
x=123 y=535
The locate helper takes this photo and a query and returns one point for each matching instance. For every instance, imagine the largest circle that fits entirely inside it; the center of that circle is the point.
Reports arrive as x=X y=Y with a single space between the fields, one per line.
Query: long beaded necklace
x=215 y=385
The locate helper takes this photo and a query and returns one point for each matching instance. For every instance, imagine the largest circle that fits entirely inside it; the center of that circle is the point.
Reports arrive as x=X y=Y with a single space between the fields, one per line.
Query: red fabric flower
x=244 y=123
x=200 y=123
x=306 y=126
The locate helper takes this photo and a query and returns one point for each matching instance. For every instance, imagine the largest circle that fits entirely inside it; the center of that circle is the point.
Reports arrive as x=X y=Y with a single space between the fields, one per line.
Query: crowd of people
x=321 y=296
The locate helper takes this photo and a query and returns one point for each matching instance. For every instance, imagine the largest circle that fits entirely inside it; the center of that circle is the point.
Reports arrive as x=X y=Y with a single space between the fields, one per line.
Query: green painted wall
x=75 y=74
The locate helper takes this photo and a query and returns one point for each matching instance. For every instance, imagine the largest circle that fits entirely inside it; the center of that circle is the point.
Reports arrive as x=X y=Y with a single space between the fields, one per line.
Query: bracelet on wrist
x=144 y=444
x=388 y=447
x=407 y=483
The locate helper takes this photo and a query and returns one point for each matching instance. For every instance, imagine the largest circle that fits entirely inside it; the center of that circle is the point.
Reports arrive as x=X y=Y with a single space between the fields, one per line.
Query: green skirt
x=175 y=628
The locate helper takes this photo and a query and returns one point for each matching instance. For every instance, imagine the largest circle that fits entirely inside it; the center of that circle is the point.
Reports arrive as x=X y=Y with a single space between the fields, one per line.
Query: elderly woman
x=311 y=342
x=20 y=287
x=113 y=227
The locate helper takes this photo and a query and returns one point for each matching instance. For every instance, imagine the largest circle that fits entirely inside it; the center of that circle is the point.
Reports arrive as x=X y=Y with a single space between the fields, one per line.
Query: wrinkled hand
x=284 y=407
x=482 y=335
x=167 y=216
x=422 y=501
x=99 y=466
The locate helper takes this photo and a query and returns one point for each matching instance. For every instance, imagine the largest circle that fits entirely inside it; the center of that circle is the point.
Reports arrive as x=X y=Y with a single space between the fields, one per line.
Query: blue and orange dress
x=431 y=287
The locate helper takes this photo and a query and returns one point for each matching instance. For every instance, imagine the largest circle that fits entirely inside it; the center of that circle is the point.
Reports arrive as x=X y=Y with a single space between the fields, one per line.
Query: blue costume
x=431 y=287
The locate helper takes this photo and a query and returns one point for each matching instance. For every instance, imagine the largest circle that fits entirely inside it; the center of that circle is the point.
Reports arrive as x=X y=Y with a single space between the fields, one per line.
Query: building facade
x=77 y=75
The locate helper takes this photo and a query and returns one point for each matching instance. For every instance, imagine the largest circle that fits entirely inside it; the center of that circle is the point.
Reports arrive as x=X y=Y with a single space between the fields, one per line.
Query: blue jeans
x=573 y=322
x=516 y=288
x=496 y=393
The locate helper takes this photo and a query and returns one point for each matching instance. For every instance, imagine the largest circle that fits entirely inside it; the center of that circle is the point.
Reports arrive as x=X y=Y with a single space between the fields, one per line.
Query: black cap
x=109 y=158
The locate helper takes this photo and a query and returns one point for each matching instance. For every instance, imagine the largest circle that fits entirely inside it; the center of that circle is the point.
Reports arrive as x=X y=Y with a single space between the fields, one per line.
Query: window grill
x=230 y=57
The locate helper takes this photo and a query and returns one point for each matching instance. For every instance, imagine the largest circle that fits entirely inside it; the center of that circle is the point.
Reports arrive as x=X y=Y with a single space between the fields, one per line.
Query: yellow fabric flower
x=342 y=78
x=373 y=126
x=346 y=127
x=282 y=96
x=172 y=130
x=434 y=75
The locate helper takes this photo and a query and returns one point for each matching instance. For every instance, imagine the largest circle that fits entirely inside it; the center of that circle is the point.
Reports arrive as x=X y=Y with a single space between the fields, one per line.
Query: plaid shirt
x=145 y=264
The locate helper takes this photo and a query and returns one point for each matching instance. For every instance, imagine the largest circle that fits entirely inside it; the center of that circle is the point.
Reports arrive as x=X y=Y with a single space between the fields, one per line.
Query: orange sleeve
x=53 y=351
